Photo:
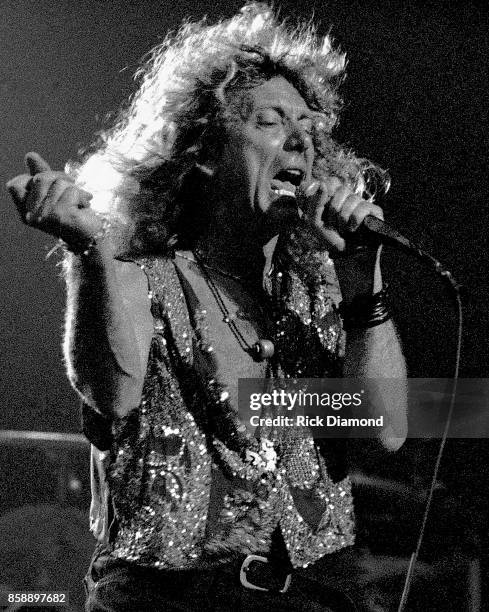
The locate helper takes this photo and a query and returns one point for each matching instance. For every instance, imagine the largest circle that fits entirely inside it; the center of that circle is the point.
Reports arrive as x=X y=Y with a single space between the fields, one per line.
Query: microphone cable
x=458 y=290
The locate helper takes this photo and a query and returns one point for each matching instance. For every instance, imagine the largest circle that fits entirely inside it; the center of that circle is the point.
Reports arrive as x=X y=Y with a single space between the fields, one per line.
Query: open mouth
x=286 y=182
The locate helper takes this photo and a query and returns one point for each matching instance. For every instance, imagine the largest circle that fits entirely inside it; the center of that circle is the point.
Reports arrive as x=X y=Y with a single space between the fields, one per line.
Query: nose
x=297 y=138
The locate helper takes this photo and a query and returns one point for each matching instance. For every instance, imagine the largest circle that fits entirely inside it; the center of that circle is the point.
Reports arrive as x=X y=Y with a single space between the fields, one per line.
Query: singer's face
x=267 y=154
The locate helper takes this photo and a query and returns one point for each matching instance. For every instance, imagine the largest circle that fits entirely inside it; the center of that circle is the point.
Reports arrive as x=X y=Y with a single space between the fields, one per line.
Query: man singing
x=209 y=238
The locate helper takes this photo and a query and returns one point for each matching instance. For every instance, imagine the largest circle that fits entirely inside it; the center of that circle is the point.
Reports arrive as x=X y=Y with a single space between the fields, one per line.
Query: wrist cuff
x=366 y=311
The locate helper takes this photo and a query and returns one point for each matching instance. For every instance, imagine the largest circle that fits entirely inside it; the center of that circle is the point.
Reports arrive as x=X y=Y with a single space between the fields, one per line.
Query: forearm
x=101 y=347
x=108 y=324
x=375 y=355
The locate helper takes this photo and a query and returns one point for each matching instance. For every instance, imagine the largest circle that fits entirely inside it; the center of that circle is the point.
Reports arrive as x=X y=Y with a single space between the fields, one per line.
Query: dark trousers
x=135 y=589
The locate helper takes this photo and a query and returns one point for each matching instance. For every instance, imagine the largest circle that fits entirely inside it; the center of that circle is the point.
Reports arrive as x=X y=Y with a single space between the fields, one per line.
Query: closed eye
x=269 y=117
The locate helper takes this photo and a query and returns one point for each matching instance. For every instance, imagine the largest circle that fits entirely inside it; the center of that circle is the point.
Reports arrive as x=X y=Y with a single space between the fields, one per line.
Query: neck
x=229 y=250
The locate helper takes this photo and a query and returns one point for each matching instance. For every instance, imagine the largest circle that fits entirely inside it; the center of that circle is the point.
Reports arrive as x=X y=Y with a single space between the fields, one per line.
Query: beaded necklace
x=297 y=340
x=263 y=348
x=198 y=259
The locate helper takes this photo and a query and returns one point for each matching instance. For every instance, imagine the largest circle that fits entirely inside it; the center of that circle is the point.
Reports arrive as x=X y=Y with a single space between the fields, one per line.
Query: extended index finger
x=35 y=163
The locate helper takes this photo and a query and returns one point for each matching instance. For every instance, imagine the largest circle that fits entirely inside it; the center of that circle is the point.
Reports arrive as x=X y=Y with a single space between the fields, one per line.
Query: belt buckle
x=245 y=567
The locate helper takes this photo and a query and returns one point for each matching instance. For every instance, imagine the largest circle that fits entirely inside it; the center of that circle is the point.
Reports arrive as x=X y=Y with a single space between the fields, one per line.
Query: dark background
x=416 y=103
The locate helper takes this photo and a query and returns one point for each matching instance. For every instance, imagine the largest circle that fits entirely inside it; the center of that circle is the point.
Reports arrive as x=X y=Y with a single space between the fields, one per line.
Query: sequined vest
x=179 y=489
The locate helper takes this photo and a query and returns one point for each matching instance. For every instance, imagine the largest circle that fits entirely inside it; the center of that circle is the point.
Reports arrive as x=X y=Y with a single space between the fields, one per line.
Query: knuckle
x=333 y=183
x=355 y=198
x=344 y=193
x=335 y=206
x=57 y=207
x=359 y=214
x=59 y=182
x=71 y=196
x=337 y=189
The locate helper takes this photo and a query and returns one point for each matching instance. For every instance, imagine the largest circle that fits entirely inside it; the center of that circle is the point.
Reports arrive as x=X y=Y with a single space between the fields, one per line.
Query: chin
x=283 y=213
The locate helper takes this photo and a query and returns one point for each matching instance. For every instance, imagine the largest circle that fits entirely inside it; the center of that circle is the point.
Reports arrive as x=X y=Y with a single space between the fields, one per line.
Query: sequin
x=168 y=452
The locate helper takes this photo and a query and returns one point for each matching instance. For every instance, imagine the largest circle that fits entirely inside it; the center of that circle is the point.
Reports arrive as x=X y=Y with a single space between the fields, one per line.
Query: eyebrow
x=305 y=114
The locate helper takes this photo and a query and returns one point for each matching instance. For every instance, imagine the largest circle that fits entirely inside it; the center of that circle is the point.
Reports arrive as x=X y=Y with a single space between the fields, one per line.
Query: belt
x=254 y=572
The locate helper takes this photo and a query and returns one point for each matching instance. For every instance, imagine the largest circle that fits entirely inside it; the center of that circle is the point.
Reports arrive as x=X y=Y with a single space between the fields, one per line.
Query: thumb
x=35 y=163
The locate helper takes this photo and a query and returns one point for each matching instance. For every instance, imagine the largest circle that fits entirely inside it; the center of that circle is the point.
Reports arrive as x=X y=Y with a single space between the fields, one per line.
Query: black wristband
x=366 y=311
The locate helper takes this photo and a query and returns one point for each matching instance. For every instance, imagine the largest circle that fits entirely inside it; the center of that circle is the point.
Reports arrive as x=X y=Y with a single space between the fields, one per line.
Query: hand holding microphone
x=339 y=220
x=332 y=214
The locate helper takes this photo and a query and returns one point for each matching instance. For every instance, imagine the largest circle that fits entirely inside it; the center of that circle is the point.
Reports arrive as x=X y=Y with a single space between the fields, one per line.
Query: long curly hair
x=143 y=171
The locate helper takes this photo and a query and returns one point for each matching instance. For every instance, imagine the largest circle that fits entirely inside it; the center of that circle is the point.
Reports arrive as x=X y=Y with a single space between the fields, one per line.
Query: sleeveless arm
x=108 y=331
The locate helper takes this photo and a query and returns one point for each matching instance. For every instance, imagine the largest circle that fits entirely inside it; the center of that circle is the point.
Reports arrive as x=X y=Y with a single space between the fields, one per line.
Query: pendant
x=263 y=349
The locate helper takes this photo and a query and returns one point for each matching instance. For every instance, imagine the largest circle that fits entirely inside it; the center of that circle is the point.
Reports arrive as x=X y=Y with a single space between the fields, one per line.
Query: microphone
x=373 y=232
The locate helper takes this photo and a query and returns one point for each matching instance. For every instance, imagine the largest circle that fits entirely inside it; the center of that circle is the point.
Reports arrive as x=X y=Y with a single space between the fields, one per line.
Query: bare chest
x=230 y=320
